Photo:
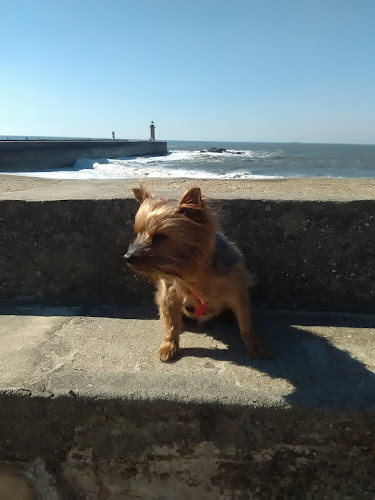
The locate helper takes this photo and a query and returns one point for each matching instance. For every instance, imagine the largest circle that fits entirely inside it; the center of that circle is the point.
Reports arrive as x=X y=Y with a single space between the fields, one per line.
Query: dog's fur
x=179 y=249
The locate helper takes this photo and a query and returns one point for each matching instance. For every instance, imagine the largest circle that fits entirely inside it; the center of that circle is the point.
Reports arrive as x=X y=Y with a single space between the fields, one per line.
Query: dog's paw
x=167 y=351
x=259 y=350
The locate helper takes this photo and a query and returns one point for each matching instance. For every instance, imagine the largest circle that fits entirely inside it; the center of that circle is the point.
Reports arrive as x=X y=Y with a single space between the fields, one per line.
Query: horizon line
x=42 y=137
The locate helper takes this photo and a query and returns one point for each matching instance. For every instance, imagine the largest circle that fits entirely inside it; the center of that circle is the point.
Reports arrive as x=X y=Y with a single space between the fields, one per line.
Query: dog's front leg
x=241 y=309
x=169 y=302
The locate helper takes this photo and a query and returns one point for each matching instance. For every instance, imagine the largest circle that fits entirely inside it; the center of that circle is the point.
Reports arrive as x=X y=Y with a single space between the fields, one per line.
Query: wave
x=177 y=163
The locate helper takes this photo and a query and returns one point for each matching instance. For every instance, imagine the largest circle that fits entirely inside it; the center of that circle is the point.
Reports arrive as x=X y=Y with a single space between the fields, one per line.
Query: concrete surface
x=111 y=352
x=90 y=413
x=63 y=242
x=16 y=187
x=16 y=156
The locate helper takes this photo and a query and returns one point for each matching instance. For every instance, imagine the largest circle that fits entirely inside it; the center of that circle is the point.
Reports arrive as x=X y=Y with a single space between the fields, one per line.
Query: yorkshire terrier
x=197 y=271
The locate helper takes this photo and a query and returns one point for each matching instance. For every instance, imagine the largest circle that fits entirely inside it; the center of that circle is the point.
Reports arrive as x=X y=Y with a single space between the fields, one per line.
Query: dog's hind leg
x=241 y=308
x=169 y=302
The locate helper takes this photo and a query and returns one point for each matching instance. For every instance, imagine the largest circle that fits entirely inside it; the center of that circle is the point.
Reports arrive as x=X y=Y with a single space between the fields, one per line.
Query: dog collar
x=200 y=307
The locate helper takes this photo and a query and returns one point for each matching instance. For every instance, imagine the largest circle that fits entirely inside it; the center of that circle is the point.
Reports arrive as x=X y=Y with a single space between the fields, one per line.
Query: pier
x=30 y=155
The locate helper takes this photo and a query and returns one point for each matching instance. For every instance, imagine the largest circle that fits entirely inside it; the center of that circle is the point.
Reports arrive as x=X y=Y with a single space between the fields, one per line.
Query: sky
x=238 y=70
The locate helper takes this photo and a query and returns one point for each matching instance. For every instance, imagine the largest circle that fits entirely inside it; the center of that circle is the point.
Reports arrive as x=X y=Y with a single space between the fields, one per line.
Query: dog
x=197 y=272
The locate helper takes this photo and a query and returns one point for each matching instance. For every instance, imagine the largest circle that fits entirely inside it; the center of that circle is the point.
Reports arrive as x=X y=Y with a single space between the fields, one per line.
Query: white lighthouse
x=152 y=132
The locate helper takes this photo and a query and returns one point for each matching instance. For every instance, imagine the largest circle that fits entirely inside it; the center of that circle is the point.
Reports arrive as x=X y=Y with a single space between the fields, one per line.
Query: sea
x=240 y=160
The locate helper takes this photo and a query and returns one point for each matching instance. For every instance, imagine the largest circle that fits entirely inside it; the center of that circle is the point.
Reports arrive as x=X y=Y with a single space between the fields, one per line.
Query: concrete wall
x=305 y=254
x=41 y=155
x=87 y=410
x=72 y=448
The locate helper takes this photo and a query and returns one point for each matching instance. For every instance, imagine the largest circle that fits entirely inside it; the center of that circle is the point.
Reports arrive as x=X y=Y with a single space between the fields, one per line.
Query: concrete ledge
x=87 y=410
x=13 y=187
x=16 y=156
x=62 y=243
x=94 y=351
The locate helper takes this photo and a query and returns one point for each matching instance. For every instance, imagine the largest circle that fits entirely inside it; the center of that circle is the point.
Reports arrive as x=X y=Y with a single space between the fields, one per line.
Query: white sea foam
x=175 y=164
x=255 y=161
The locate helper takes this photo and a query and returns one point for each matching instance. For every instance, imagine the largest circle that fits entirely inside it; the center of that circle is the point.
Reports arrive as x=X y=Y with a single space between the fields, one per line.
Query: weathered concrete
x=16 y=156
x=62 y=243
x=94 y=350
x=87 y=410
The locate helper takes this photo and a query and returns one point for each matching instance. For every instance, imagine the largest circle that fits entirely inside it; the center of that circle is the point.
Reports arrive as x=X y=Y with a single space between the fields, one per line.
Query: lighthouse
x=152 y=132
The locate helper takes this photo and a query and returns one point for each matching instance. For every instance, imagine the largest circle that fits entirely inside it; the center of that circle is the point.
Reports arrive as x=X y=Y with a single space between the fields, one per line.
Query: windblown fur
x=180 y=249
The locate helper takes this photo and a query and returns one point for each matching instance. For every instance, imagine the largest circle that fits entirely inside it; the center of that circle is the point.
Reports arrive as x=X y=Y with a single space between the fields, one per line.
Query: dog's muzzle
x=130 y=257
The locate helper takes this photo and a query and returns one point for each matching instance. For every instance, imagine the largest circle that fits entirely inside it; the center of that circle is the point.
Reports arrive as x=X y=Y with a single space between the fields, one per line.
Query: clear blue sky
x=242 y=70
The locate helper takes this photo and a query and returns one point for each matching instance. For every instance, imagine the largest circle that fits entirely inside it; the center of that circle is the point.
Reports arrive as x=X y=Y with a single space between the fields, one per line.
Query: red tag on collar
x=200 y=307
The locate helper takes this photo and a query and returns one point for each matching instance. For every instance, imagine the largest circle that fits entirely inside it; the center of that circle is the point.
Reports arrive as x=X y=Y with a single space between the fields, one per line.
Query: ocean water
x=240 y=161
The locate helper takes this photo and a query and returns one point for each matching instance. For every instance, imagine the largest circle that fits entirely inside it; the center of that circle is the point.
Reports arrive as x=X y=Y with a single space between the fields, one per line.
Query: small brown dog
x=197 y=272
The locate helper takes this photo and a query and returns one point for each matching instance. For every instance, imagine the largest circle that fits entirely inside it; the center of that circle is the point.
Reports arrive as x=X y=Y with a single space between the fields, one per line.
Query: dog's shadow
x=320 y=372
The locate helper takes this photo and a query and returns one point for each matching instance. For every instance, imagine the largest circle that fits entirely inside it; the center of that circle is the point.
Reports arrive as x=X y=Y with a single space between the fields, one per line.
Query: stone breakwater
x=315 y=254
x=17 y=156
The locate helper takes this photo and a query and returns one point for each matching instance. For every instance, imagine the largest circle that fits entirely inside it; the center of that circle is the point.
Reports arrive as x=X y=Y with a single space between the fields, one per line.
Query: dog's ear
x=191 y=203
x=141 y=194
x=192 y=196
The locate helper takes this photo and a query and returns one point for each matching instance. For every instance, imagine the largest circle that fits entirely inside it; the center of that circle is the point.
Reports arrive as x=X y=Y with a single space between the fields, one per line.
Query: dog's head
x=172 y=240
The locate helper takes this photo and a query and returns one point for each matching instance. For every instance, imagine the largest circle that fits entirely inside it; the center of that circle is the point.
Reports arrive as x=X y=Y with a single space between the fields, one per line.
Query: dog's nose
x=130 y=257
